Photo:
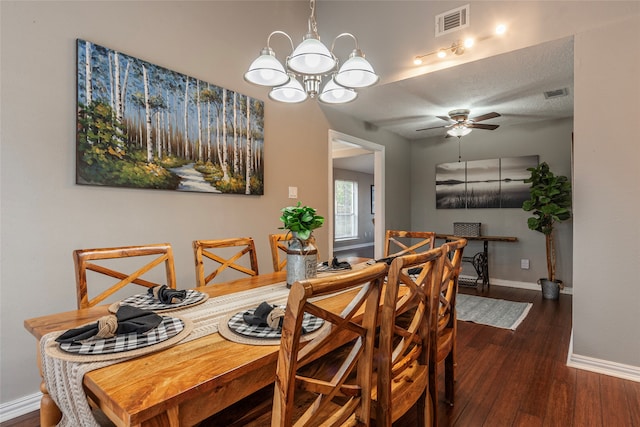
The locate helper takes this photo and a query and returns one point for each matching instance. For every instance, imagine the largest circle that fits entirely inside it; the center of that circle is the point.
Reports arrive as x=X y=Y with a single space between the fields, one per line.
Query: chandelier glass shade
x=303 y=71
x=292 y=92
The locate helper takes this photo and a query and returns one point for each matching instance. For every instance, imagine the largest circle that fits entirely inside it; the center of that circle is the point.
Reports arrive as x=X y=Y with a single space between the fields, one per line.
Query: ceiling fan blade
x=445 y=118
x=436 y=127
x=482 y=126
x=485 y=117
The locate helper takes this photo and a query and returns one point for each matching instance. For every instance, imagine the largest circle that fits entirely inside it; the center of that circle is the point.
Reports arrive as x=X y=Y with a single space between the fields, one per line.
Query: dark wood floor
x=520 y=378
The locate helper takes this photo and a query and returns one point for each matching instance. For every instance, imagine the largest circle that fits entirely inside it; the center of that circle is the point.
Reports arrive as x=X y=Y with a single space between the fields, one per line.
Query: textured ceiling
x=511 y=84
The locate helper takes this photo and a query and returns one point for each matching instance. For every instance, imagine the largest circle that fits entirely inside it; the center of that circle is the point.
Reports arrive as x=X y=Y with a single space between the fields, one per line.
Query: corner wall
x=607 y=196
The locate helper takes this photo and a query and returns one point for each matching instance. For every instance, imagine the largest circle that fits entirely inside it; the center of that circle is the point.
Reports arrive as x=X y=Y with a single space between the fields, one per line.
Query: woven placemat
x=226 y=332
x=53 y=348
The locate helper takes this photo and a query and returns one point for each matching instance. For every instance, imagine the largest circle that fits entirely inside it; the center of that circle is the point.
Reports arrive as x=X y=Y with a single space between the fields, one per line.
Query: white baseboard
x=524 y=285
x=20 y=406
x=599 y=366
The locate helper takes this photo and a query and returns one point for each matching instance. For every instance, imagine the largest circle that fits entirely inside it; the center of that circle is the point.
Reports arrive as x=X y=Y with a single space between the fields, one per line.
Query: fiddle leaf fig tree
x=301 y=220
x=550 y=202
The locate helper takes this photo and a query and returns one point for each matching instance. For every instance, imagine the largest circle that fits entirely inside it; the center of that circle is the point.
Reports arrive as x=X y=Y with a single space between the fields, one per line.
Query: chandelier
x=301 y=76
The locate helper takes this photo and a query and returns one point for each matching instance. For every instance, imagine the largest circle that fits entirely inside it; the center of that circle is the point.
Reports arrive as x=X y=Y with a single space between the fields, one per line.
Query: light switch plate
x=293 y=192
x=524 y=264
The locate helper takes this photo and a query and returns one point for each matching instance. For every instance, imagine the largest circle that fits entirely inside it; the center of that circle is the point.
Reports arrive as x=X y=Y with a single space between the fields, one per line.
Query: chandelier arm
x=282 y=33
x=333 y=45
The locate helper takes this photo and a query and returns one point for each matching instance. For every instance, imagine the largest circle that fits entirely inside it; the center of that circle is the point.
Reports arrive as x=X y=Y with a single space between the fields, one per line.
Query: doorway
x=349 y=148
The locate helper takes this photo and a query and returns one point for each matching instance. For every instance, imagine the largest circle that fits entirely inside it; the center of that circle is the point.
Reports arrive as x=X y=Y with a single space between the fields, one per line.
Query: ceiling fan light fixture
x=459 y=131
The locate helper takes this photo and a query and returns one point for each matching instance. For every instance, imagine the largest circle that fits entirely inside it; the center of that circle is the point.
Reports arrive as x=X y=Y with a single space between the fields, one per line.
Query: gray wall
x=551 y=141
x=45 y=215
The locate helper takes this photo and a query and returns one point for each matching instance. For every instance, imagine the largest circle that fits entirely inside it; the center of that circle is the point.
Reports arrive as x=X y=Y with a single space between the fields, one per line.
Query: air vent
x=557 y=93
x=453 y=20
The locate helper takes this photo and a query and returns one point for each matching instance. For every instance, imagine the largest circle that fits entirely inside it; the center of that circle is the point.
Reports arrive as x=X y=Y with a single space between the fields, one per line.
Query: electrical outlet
x=524 y=264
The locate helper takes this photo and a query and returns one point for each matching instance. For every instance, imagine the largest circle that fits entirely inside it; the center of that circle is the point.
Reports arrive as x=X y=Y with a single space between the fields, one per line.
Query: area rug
x=490 y=311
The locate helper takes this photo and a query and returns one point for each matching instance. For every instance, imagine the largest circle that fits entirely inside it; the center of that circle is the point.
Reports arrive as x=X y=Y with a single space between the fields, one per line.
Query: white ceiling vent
x=453 y=20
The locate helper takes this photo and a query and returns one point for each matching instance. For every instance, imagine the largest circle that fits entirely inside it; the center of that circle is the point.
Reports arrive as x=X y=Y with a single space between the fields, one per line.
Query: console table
x=480 y=260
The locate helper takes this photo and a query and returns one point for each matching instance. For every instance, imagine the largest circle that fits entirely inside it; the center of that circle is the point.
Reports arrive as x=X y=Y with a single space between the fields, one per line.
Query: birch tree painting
x=143 y=126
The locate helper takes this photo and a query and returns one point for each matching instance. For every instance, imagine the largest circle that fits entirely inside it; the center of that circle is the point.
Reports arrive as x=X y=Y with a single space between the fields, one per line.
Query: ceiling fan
x=460 y=124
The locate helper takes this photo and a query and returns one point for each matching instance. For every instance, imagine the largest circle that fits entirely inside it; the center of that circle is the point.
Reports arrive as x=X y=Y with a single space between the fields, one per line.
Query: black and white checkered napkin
x=168 y=328
x=148 y=302
x=310 y=323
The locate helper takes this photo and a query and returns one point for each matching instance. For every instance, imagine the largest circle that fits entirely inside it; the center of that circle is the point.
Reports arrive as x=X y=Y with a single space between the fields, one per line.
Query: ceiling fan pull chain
x=459 y=156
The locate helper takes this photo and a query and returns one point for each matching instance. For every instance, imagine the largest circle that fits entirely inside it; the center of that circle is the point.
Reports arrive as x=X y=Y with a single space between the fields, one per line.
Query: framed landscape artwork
x=493 y=183
x=140 y=125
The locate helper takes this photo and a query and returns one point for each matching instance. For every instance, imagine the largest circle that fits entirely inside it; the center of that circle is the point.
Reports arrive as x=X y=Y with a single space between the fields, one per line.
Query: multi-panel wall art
x=143 y=126
x=494 y=183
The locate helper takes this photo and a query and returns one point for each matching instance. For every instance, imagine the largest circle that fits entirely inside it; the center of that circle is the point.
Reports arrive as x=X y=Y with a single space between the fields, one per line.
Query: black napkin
x=265 y=315
x=126 y=320
x=167 y=295
x=335 y=265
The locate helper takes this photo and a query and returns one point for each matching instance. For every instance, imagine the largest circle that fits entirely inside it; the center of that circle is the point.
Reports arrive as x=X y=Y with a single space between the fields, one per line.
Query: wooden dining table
x=180 y=385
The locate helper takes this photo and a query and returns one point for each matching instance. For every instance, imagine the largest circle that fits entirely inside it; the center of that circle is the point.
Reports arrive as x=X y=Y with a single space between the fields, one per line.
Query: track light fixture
x=458 y=47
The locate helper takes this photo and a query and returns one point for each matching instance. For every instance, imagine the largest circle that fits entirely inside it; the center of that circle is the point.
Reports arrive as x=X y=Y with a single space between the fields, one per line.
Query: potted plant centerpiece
x=302 y=254
x=550 y=201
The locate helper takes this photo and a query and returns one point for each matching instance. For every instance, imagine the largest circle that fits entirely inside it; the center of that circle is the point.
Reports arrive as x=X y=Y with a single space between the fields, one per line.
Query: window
x=346 y=209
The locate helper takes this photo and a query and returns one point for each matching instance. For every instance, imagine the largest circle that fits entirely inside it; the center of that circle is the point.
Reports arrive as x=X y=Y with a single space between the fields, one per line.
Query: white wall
x=606 y=259
x=551 y=141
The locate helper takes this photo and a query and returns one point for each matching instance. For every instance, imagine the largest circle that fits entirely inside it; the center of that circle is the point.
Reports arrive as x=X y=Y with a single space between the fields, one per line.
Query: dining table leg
x=50 y=414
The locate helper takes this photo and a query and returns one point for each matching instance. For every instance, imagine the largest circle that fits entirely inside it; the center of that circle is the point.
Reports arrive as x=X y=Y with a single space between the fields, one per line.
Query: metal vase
x=550 y=289
x=302 y=260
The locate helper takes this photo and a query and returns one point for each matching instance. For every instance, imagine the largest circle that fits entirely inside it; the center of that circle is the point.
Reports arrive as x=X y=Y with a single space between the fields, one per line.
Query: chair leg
x=425 y=410
x=433 y=391
x=449 y=378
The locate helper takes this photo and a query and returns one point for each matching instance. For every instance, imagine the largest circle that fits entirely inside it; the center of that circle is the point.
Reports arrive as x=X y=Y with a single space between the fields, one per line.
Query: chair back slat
x=205 y=250
x=82 y=258
x=278 y=245
x=397 y=242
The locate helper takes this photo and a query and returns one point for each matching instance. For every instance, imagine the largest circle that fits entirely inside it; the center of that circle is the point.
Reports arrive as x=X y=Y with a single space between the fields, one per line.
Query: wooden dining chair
x=304 y=398
x=96 y=260
x=278 y=244
x=399 y=242
x=443 y=327
x=404 y=343
x=317 y=384
x=226 y=253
